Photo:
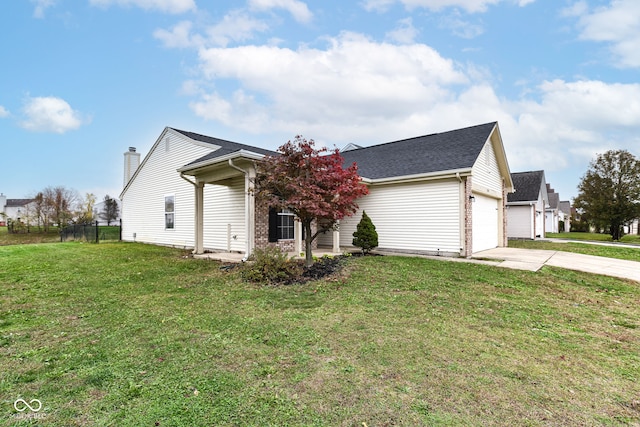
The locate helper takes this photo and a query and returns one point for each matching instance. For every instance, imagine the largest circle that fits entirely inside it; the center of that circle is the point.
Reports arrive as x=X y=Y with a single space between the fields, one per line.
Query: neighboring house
x=633 y=227
x=14 y=209
x=565 y=215
x=552 y=213
x=442 y=194
x=527 y=205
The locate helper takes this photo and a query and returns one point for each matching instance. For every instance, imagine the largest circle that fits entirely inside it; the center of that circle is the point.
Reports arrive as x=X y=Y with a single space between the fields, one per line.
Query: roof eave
x=250 y=155
x=453 y=173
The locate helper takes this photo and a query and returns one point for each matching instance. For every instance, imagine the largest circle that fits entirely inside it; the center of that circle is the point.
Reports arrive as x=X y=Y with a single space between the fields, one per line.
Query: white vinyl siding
x=143 y=202
x=486 y=173
x=414 y=216
x=224 y=223
x=520 y=222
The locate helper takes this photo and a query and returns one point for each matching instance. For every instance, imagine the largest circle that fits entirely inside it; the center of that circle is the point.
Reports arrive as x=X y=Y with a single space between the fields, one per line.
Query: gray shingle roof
x=456 y=149
x=527 y=186
x=565 y=206
x=554 y=200
x=452 y=150
x=18 y=202
x=226 y=147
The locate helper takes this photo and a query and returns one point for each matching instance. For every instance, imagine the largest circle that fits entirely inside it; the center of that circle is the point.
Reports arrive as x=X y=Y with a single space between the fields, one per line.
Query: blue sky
x=82 y=80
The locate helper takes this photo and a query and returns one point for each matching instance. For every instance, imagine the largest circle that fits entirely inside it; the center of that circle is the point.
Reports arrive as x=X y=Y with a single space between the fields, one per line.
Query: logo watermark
x=28 y=410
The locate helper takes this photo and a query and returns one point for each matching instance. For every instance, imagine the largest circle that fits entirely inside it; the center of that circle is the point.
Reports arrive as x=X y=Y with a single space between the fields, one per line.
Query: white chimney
x=131 y=163
x=3 y=202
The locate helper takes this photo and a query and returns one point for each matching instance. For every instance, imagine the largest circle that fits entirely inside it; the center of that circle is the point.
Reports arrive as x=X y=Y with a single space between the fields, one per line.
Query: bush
x=365 y=236
x=271 y=265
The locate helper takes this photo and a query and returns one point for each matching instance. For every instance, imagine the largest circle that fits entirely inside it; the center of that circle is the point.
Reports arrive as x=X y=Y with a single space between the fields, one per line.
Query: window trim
x=170 y=213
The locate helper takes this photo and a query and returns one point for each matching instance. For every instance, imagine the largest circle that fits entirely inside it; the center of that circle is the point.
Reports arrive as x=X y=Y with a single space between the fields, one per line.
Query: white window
x=286 y=224
x=169 y=212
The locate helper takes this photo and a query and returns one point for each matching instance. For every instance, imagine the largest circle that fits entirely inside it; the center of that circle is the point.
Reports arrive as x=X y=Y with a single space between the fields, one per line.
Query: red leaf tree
x=311 y=184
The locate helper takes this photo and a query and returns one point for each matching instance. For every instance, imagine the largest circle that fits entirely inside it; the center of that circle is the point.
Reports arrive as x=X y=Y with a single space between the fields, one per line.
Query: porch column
x=336 y=240
x=250 y=210
x=199 y=219
x=298 y=237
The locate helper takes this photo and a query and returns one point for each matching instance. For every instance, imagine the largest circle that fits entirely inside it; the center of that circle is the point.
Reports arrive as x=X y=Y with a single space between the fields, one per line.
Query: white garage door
x=485 y=223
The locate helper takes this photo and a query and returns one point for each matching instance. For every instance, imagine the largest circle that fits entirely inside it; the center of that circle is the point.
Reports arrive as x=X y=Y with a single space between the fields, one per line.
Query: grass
x=596 y=237
x=124 y=334
x=34 y=236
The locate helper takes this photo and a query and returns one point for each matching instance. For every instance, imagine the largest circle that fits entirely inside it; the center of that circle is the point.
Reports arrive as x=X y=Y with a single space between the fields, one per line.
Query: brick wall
x=262 y=231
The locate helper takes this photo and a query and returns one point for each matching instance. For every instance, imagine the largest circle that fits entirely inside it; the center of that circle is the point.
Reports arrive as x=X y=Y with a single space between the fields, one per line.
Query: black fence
x=93 y=232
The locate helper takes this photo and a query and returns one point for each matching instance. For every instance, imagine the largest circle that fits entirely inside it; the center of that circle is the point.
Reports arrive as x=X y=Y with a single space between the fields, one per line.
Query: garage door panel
x=484 y=223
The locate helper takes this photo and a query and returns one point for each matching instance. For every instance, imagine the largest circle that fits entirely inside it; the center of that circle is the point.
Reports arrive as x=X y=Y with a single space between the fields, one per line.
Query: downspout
x=246 y=209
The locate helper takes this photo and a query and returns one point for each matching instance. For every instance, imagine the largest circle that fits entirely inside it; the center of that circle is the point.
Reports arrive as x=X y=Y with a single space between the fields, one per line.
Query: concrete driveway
x=535 y=259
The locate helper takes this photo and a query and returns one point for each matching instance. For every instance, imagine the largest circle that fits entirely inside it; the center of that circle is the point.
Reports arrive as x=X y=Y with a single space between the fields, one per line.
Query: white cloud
x=461 y=27
x=3 y=112
x=50 y=114
x=236 y=26
x=471 y=6
x=179 y=36
x=41 y=6
x=405 y=33
x=167 y=6
x=353 y=81
x=617 y=24
x=296 y=8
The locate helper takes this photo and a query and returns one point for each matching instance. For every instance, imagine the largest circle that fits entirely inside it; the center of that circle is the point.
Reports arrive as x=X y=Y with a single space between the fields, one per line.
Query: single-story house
x=443 y=193
x=565 y=215
x=14 y=209
x=527 y=205
x=552 y=213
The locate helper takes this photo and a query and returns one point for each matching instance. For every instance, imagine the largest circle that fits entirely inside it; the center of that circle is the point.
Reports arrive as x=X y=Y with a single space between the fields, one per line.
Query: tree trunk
x=308 y=238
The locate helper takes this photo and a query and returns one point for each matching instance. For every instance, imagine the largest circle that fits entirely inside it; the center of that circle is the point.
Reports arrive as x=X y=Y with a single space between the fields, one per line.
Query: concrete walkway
x=535 y=259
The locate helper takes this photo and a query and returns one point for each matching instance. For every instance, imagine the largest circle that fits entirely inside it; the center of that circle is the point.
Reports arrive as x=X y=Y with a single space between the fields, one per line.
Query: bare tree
x=59 y=203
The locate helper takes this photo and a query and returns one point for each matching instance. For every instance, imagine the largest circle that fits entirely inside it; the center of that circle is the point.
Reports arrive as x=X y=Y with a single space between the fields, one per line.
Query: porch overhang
x=220 y=170
x=223 y=170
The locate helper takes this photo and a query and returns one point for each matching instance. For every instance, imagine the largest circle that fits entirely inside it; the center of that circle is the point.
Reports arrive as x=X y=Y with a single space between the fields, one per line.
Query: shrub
x=271 y=265
x=365 y=236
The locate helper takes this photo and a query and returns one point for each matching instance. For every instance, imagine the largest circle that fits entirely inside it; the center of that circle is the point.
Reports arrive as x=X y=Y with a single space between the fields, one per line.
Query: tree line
x=61 y=206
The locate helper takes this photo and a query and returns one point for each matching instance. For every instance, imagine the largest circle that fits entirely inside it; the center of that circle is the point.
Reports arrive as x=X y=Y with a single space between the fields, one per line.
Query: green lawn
x=123 y=334
x=34 y=236
x=598 y=237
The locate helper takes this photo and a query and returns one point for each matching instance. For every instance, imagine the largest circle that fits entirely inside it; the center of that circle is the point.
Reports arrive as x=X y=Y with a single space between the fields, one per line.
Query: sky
x=83 y=80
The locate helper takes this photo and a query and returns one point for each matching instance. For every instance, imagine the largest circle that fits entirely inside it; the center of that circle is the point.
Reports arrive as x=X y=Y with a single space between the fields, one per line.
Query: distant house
x=526 y=206
x=552 y=212
x=14 y=209
x=443 y=193
x=565 y=215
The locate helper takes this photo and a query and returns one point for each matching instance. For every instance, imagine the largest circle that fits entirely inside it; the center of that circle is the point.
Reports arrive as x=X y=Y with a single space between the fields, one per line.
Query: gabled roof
x=565 y=206
x=226 y=147
x=18 y=203
x=554 y=200
x=446 y=151
x=527 y=186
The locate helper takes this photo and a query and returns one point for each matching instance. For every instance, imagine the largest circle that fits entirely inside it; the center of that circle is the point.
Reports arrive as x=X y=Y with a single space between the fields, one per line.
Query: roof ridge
x=424 y=136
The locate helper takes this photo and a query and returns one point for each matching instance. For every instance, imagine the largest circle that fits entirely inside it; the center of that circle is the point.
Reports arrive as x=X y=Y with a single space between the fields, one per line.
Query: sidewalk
x=535 y=259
